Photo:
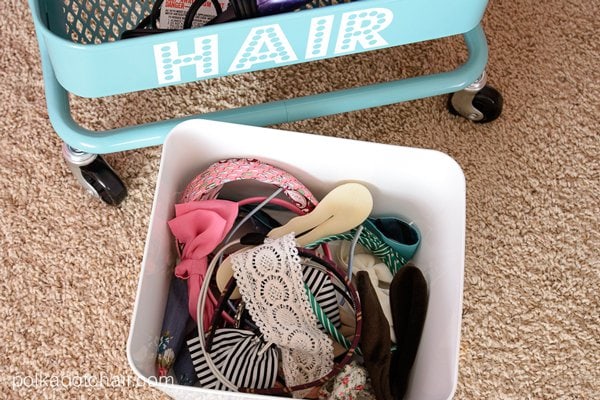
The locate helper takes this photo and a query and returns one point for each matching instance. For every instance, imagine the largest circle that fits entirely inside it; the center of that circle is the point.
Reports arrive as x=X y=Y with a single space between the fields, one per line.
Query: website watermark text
x=101 y=380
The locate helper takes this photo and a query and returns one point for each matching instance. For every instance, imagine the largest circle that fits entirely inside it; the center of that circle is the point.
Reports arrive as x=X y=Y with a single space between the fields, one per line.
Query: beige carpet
x=531 y=321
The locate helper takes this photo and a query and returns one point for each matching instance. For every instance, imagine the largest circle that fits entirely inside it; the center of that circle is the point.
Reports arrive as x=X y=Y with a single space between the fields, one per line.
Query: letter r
x=363 y=27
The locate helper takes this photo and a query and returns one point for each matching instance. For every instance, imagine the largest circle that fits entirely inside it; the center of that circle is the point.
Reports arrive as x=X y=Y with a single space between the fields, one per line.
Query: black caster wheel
x=95 y=175
x=485 y=104
x=104 y=181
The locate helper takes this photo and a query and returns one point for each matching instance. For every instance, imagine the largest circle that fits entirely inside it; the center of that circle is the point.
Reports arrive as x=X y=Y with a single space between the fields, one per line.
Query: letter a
x=263 y=44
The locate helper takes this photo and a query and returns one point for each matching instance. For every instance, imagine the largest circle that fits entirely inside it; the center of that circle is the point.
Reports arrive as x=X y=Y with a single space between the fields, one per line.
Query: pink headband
x=208 y=184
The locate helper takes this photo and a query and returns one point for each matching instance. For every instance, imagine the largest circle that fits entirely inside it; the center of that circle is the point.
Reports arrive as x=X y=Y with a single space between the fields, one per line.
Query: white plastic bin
x=424 y=186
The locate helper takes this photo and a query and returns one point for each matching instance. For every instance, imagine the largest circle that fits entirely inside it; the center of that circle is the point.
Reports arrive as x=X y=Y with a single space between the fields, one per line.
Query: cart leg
x=478 y=102
x=95 y=175
x=91 y=170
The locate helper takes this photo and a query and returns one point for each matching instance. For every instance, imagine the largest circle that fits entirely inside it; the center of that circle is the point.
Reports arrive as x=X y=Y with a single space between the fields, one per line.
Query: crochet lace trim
x=269 y=277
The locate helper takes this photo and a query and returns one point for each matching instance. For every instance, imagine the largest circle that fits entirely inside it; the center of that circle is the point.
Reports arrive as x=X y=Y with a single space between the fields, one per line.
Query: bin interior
x=422 y=186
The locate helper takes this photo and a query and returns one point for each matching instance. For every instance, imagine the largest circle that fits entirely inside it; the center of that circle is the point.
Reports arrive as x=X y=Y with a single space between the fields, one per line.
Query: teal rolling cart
x=80 y=39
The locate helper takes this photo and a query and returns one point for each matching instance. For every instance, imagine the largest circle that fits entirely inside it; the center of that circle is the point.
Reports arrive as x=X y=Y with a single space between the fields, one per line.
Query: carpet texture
x=531 y=321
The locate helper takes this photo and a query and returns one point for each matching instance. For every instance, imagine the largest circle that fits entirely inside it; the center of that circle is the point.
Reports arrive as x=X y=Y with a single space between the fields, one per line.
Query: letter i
x=319 y=36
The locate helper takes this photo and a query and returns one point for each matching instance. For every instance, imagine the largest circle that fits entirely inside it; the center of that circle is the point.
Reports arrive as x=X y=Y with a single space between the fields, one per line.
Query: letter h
x=169 y=62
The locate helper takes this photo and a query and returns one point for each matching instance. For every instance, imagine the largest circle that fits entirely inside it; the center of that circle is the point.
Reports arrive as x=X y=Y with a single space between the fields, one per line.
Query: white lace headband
x=270 y=280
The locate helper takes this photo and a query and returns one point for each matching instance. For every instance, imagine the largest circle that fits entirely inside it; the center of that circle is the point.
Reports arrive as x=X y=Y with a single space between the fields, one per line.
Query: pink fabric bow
x=200 y=226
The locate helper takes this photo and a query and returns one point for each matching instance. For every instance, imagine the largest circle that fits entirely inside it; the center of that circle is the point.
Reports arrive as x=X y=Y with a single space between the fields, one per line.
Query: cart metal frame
x=123 y=66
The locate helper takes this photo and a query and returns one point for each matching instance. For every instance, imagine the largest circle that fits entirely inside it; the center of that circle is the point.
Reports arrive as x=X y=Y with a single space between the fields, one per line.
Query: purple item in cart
x=268 y=7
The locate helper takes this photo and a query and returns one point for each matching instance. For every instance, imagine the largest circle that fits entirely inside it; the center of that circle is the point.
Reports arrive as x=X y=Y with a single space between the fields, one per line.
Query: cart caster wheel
x=95 y=175
x=486 y=105
x=104 y=181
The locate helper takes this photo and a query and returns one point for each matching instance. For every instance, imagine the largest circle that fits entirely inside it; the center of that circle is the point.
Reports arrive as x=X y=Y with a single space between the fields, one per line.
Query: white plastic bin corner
x=425 y=186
